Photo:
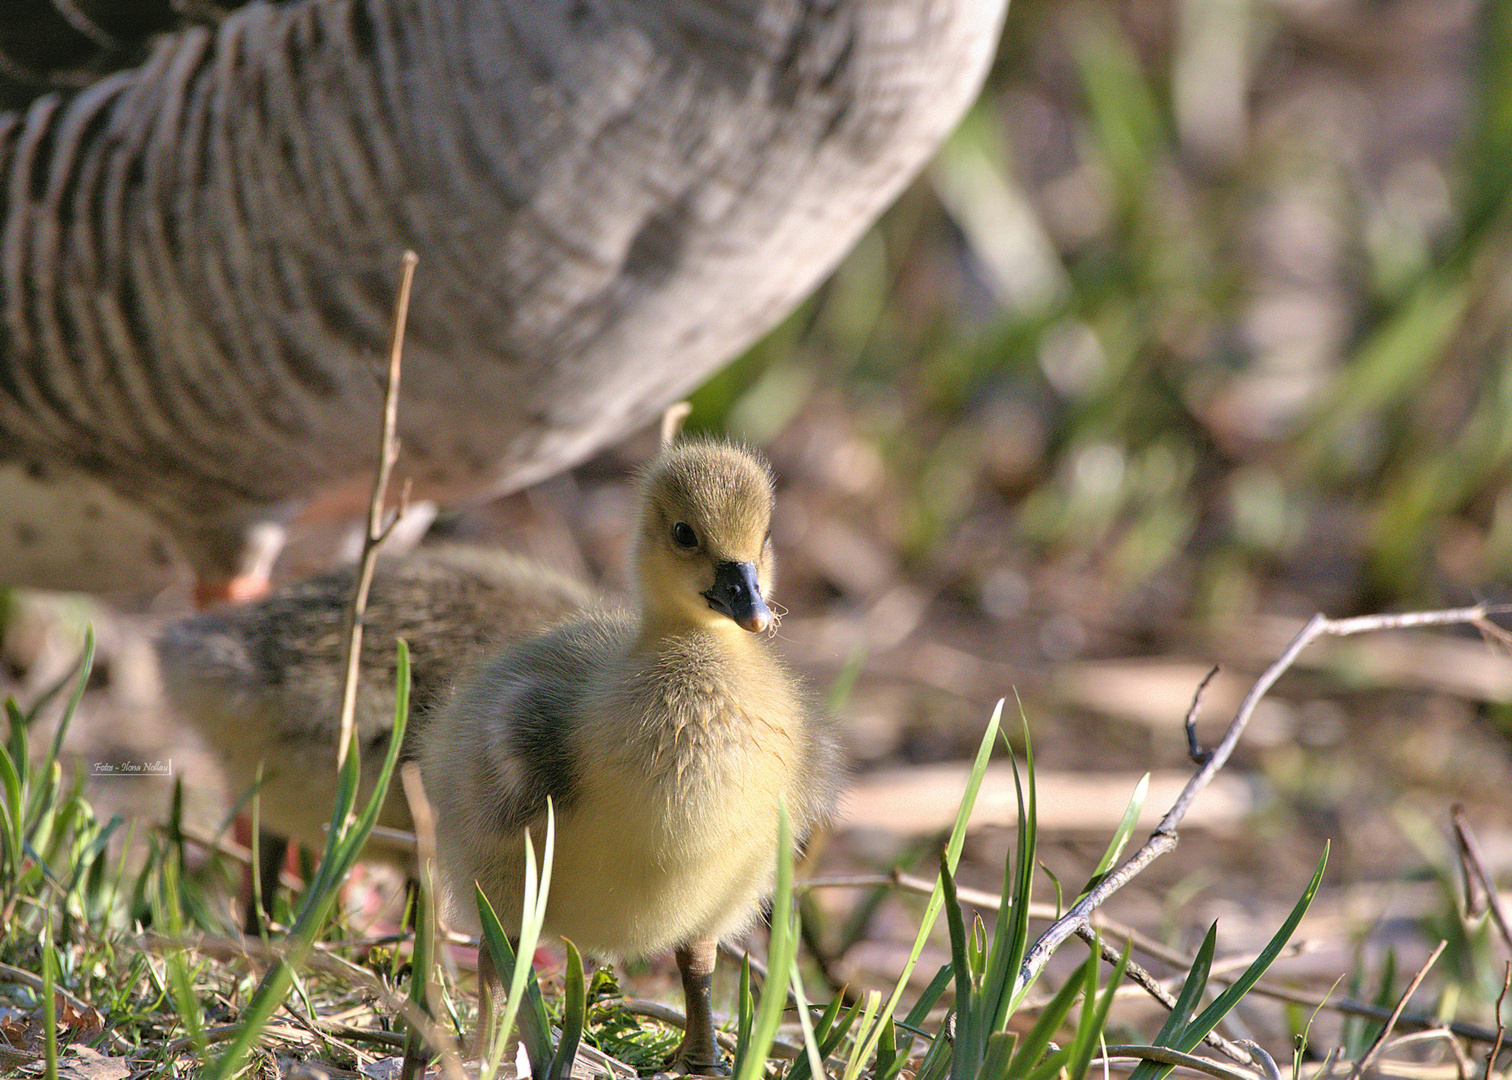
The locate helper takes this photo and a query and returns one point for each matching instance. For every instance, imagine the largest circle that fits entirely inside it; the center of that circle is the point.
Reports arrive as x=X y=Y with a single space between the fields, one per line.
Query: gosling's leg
x=698 y=1053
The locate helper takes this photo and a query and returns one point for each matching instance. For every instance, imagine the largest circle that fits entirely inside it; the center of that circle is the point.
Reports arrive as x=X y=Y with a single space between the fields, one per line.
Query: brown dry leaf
x=83 y=1063
x=81 y=1024
x=16 y=1031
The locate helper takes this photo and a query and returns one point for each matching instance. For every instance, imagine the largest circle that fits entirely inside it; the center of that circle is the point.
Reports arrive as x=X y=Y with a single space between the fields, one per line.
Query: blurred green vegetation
x=1206 y=298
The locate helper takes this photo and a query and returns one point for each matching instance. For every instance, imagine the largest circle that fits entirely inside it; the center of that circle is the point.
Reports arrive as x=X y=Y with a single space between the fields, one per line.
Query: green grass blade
x=968 y=1034
x=1121 y=835
x=535 y=1035
x=889 y=1061
x=1053 y=1065
x=1186 y=1001
x=872 y=1030
x=50 y=1005
x=783 y=949
x=574 y=1014
x=346 y=838
x=1037 y=1039
x=1011 y=936
x=523 y=1001
x=85 y=666
x=746 y=1013
x=929 y=998
x=811 y=1050
x=998 y=1056
x=1208 y=1019
x=342 y=848
x=11 y=840
x=518 y=999
x=1094 y=1022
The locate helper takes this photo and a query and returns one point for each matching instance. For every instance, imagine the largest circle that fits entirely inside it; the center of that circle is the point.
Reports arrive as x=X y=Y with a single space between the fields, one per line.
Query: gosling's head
x=704 y=553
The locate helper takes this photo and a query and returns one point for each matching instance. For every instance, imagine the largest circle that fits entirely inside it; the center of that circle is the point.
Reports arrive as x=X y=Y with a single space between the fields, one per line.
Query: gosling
x=262 y=682
x=665 y=740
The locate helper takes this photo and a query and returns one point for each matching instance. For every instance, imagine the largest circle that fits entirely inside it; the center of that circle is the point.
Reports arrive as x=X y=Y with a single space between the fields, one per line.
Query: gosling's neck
x=662 y=624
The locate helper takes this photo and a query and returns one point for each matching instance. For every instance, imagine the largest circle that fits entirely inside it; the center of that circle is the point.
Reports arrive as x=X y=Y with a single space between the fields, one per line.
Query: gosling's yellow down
x=262 y=682
x=665 y=740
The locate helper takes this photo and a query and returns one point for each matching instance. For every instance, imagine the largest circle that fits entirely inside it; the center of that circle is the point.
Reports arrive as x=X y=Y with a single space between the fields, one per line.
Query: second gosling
x=262 y=682
x=665 y=739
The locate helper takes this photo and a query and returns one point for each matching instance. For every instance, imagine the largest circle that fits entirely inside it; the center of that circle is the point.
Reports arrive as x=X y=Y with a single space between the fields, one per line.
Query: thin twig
x=1475 y=871
x=1258 y=1053
x=1380 y=1040
x=666 y=1014
x=1501 y=1025
x=1165 y=1055
x=1194 y=750
x=1164 y=837
x=388 y=455
x=325 y=1035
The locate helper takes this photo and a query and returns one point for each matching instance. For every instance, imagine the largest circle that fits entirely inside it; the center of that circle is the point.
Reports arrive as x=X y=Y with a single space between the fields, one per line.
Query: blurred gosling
x=262 y=682
x=665 y=740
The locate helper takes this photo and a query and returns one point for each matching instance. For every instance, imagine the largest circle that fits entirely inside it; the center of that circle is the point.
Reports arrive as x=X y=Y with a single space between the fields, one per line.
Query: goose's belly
x=645 y=866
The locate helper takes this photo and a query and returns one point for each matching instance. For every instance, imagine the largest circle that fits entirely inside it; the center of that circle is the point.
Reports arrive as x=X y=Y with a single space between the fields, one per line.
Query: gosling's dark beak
x=737 y=593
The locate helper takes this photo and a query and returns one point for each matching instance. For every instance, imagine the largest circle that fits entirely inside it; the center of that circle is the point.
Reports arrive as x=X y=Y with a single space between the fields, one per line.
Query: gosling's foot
x=683 y=1063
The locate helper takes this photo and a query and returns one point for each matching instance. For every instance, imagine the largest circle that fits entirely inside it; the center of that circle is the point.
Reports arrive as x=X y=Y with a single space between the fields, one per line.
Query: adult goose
x=203 y=207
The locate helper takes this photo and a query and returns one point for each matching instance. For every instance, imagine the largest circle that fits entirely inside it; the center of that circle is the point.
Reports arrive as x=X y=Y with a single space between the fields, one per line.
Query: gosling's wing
x=822 y=774
x=508 y=741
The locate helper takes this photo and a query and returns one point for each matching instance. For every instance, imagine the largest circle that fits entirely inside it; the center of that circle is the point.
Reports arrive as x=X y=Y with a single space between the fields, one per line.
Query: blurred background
x=1199 y=324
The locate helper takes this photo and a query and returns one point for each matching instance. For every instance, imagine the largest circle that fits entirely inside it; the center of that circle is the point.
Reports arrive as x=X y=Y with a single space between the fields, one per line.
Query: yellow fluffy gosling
x=262 y=682
x=665 y=740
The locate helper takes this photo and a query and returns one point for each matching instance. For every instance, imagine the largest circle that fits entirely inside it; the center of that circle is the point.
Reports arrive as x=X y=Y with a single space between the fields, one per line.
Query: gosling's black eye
x=684 y=536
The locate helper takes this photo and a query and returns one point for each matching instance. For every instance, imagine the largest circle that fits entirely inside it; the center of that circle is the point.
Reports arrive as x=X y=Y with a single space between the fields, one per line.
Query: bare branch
x=1168 y=1056
x=1501 y=1026
x=1194 y=751
x=1164 y=837
x=388 y=455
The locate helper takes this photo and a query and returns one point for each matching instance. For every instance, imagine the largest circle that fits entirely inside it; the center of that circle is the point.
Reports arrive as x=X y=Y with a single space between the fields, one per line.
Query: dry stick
x=329 y=1039
x=1194 y=749
x=1501 y=1028
x=1380 y=1040
x=388 y=455
x=1166 y=1055
x=425 y=841
x=1164 y=837
x=1476 y=874
x=1258 y=1053
x=672 y=421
